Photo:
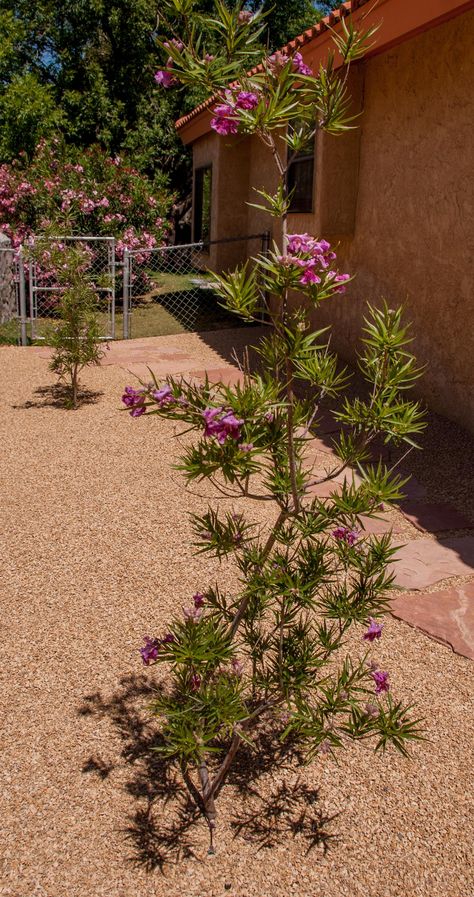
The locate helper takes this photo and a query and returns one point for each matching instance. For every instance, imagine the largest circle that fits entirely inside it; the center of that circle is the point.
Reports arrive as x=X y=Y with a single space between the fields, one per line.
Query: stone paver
x=413 y=490
x=228 y=375
x=424 y=562
x=447 y=616
x=435 y=518
x=377 y=526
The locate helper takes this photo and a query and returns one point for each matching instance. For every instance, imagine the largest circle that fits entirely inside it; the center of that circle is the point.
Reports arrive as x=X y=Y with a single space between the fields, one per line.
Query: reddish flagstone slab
x=377 y=526
x=126 y=354
x=323 y=490
x=435 y=518
x=424 y=562
x=447 y=616
x=326 y=423
x=413 y=490
x=228 y=375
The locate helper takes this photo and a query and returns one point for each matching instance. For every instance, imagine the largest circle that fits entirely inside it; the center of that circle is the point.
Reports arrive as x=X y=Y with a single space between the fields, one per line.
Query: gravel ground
x=95 y=553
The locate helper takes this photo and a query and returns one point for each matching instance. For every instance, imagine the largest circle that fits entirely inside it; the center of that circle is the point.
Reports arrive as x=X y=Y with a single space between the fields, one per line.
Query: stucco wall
x=397 y=196
x=414 y=234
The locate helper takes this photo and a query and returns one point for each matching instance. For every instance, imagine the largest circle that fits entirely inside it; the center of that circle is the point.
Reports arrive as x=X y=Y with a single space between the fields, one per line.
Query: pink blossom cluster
x=94 y=193
x=164 y=77
x=346 y=534
x=133 y=241
x=279 y=60
x=314 y=257
x=226 y=115
x=221 y=424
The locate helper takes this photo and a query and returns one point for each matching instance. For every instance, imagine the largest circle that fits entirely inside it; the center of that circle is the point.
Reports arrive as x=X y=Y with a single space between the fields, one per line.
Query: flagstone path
x=447 y=614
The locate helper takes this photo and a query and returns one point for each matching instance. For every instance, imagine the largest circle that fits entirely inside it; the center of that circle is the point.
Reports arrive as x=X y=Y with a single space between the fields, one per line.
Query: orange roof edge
x=398 y=20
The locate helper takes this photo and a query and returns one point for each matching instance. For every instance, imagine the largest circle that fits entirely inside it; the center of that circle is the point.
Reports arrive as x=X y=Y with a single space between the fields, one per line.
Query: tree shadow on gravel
x=57 y=396
x=287 y=810
x=162 y=830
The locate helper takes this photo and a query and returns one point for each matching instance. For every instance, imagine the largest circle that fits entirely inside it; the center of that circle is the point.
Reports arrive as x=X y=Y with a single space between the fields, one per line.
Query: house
x=396 y=194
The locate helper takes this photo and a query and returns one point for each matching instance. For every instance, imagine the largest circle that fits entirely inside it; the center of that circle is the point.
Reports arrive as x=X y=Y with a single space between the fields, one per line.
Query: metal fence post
x=33 y=306
x=125 y=294
x=22 y=297
x=111 y=253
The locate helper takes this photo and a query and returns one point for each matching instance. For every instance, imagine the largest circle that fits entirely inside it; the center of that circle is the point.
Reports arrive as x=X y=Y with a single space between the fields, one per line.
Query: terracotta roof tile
x=300 y=41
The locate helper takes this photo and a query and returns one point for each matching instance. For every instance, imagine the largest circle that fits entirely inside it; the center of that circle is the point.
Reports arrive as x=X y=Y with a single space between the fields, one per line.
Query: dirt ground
x=95 y=554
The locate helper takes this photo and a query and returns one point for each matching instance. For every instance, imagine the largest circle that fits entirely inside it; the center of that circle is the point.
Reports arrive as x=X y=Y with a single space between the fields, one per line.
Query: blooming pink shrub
x=83 y=193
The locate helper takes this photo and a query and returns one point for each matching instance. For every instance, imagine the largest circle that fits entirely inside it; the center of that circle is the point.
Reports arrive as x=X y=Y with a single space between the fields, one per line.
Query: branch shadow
x=157 y=839
x=287 y=811
x=58 y=396
x=162 y=829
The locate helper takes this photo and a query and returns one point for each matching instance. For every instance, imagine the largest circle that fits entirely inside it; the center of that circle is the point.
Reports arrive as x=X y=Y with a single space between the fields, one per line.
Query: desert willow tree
x=76 y=336
x=275 y=652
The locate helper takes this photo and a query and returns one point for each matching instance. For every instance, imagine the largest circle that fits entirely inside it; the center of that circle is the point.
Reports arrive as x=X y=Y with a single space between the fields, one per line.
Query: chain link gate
x=13 y=309
x=43 y=289
x=170 y=287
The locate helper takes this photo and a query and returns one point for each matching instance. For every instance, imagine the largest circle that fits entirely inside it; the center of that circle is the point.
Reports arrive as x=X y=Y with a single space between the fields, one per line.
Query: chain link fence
x=44 y=289
x=150 y=292
x=169 y=289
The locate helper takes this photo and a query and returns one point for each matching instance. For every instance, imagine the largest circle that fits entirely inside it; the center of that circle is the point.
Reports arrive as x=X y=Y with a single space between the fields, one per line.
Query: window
x=301 y=180
x=202 y=203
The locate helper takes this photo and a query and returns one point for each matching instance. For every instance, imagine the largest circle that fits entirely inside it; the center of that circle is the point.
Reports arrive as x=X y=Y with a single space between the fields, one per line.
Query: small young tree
x=274 y=651
x=75 y=338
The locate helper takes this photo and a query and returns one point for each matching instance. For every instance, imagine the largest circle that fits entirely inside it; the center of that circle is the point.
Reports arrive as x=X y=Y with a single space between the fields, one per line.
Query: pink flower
x=299 y=242
x=224 y=126
x=225 y=121
x=164 y=79
x=345 y=534
x=221 y=424
x=300 y=66
x=175 y=43
x=192 y=614
x=374 y=631
x=246 y=100
x=278 y=60
x=381 y=681
x=237 y=667
x=309 y=277
x=198 y=599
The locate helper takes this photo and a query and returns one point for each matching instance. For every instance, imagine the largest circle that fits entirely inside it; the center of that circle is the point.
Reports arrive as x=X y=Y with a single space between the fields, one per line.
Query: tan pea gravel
x=95 y=553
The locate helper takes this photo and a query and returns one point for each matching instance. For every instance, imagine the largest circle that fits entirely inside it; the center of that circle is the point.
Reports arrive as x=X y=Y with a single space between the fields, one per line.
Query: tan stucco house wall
x=396 y=195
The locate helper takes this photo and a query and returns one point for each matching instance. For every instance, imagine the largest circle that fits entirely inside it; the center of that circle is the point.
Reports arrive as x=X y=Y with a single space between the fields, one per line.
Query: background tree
x=84 y=68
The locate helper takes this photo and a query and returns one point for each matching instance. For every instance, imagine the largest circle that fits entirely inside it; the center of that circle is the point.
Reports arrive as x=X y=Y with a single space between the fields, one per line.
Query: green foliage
x=28 y=112
x=76 y=337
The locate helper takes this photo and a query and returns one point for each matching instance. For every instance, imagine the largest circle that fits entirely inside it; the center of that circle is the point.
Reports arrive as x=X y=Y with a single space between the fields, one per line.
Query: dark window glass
x=202 y=203
x=301 y=179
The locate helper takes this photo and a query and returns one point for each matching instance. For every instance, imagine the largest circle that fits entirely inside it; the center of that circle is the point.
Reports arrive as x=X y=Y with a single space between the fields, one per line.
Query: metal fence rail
x=176 y=281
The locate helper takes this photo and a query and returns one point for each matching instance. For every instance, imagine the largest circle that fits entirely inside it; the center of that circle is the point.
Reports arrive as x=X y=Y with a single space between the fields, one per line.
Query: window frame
x=198 y=204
